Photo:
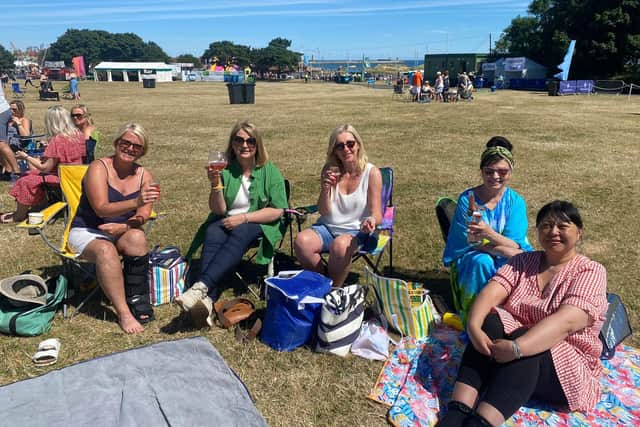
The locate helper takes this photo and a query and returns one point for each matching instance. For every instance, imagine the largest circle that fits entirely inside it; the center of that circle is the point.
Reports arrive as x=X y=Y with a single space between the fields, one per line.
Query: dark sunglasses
x=251 y=141
x=130 y=145
x=348 y=144
x=490 y=171
x=77 y=116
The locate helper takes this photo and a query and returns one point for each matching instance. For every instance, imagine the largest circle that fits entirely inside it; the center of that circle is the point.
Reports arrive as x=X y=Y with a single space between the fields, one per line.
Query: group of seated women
x=533 y=317
x=68 y=136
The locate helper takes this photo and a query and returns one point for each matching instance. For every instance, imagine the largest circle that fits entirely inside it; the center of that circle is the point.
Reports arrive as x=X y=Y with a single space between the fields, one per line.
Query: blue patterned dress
x=471 y=269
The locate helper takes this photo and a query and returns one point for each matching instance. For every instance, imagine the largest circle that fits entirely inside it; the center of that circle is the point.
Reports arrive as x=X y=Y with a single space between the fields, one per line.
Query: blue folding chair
x=17 y=92
x=373 y=256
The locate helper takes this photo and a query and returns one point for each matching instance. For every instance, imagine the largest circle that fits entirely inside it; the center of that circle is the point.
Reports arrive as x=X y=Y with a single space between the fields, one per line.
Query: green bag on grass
x=32 y=320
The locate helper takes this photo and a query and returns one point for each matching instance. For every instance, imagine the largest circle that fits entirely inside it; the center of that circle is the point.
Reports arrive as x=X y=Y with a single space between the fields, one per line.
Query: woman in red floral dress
x=66 y=146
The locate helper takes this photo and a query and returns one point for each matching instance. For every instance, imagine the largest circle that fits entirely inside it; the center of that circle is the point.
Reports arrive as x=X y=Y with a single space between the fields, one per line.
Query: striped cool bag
x=406 y=306
x=167 y=271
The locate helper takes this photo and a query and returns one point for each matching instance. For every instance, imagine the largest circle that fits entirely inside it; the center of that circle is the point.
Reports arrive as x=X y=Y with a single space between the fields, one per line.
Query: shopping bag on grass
x=340 y=319
x=407 y=306
x=167 y=270
x=294 y=299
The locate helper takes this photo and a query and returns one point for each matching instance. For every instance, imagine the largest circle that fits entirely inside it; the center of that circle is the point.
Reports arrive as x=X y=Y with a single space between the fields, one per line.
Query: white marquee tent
x=131 y=71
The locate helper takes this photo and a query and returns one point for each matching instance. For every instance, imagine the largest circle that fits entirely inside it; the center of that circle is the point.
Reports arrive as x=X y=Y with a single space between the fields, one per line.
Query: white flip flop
x=47 y=353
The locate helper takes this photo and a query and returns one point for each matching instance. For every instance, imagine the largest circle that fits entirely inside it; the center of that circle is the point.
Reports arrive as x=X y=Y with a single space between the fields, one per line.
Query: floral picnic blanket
x=417 y=380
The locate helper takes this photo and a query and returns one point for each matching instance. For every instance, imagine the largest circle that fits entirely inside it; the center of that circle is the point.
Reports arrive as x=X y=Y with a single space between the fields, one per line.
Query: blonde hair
x=261 y=153
x=332 y=158
x=57 y=121
x=85 y=112
x=135 y=129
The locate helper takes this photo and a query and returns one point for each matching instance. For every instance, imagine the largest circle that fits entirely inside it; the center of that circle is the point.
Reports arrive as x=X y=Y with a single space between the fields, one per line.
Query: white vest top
x=241 y=203
x=348 y=210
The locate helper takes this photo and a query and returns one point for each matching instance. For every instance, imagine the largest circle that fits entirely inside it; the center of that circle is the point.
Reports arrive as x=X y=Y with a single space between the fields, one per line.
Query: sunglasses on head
x=77 y=116
x=490 y=171
x=251 y=141
x=130 y=145
x=349 y=144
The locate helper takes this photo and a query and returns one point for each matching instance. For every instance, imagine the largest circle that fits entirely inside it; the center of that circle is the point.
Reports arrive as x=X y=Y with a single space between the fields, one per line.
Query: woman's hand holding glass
x=368 y=225
x=330 y=177
x=217 y=162
x=150 y=193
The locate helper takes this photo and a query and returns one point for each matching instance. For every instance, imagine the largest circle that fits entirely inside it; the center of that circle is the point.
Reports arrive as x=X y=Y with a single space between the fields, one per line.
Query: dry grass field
x=581 y=148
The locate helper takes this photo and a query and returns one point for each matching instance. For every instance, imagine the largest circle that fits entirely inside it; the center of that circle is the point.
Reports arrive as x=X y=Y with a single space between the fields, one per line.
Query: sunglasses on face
x=251 y=141
x=349 y=144
x=491 y=171
x=77 y=116
x=130 y=145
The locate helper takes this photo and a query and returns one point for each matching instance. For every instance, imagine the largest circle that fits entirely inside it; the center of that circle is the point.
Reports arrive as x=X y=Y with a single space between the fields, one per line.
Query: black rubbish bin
x=249 y=93
x=236 y=95
x=148 y=82
x=552 y=88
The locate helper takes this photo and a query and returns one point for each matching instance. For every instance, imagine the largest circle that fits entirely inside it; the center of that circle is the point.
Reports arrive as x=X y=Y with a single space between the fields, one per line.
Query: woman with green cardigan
x=247 y=201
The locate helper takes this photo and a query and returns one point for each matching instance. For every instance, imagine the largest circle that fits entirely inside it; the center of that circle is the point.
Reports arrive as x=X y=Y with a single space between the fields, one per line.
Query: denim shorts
x=366 y=242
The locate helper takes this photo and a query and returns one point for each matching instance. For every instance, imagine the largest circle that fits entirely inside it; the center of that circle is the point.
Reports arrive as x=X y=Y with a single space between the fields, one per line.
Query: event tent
x=132 y=71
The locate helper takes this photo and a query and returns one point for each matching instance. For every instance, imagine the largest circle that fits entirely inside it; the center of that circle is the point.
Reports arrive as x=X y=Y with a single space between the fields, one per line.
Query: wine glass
x=217 y=162
x=336 y=172
x=156 y=185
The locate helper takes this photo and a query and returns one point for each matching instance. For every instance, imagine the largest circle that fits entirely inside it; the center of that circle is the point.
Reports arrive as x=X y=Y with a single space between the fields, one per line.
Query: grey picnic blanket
x=174 y=383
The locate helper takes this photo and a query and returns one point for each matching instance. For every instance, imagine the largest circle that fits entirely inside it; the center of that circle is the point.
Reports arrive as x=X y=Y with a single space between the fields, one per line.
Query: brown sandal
x=231 y=312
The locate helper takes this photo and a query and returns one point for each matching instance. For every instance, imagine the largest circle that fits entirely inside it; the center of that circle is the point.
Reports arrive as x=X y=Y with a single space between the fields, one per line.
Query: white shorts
x=80 y=237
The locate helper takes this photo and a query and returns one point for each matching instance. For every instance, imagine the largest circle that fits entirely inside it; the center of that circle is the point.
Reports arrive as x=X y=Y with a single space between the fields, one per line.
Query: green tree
x=227 y=52
x=607 y=34
x=98 y=46
x=188 y=58
x=6 y=60
x=276 y=54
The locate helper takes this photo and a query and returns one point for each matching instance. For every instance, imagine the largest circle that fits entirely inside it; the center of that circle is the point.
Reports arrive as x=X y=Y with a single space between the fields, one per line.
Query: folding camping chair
x=71 y=184
x=252 y=251
x=17 y=92
x=384 y=230
x=445 y=210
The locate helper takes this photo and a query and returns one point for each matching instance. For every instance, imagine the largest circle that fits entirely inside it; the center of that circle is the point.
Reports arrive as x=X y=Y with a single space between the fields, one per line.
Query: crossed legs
x=497 y=390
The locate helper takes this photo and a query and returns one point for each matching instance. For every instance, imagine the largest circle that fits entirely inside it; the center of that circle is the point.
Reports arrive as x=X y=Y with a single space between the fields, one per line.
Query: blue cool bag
x=294 y=299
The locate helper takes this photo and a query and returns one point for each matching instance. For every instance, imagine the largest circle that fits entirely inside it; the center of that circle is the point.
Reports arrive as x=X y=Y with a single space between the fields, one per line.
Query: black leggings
x=508 y=386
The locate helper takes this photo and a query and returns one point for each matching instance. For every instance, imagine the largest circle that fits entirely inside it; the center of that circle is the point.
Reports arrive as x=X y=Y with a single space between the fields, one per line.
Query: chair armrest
x=48 y=213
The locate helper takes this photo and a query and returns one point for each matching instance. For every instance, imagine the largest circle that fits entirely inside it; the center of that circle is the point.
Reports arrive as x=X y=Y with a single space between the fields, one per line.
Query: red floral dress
x=28 y=190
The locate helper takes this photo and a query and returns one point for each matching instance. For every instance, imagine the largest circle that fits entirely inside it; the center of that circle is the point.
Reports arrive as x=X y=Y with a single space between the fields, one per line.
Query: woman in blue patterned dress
x=489 y=226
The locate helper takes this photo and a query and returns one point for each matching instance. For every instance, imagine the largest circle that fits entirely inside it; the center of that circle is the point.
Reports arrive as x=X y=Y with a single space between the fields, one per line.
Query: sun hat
x=24 y=289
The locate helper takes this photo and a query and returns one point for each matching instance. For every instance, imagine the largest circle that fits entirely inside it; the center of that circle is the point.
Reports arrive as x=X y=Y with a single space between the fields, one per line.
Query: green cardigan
x=266 y=190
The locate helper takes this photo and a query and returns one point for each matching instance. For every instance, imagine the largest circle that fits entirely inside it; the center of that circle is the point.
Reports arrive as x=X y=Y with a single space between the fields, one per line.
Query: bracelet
x=516 y=349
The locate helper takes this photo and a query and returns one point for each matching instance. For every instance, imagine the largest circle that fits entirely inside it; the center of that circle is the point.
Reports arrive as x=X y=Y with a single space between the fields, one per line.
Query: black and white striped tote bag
x=340 y=319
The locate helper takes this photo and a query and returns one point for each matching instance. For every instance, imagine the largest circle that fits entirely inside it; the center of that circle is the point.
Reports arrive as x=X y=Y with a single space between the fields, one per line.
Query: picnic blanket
x=176 y=383
x=417 y=382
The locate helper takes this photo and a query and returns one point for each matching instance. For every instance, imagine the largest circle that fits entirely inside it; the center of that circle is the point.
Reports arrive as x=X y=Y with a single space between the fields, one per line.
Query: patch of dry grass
x=584 y=149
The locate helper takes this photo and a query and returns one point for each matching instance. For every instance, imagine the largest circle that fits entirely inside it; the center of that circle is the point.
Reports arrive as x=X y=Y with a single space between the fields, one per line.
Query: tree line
x=607 y=34
x=97 y=46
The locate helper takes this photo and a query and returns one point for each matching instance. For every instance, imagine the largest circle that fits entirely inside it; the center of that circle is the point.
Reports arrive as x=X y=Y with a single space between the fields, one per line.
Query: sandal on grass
x=6 y=218
x=47 y=353
x=230 y=312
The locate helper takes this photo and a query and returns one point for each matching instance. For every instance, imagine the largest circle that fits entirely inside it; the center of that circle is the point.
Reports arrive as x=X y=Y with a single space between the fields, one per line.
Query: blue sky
x=324 y=29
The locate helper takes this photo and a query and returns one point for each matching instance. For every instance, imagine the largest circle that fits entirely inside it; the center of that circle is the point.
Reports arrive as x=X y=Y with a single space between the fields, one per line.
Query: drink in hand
x=217 y=162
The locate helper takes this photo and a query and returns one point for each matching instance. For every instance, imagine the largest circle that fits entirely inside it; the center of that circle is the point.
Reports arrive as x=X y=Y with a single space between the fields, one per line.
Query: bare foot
x=130 y=325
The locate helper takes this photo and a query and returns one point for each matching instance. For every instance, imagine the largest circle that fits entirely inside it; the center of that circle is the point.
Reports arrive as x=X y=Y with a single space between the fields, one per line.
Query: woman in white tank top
x=350 y=206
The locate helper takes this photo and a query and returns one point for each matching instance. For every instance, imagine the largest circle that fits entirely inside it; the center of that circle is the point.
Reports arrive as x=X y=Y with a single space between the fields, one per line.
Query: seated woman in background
x=65 y=146
x=247 y=200
x=349 y=205
x=534 y=329
x=116 y=201
x=81 y=118
x=489 y=226
x=18 y=126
